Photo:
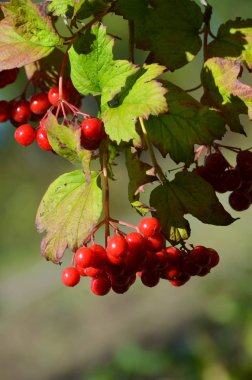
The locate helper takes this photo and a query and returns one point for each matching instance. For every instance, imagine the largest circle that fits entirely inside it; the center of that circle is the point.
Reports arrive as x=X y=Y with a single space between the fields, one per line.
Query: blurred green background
x=200 y=331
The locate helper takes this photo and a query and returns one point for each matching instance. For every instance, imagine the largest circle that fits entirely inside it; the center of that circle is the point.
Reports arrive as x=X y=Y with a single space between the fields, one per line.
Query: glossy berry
x=216 y=163
x=70 y=276
x=200 y=255
x=99 y=256
x=239 y=201
x=244 y=160
x=89 y=145
x=20 y=111
x=39 y=103
x=136 y=242
x=214 y=258
x=92 y=129
x=149 y=226
x=53 y=95
x=100 y=285
x=8 y=76
x=4 y=111
x=42 y=140
x=150 y=278
x=84 y=257
x=174 y=256
x=156 y=242
x=117 y=247
x=25 y=134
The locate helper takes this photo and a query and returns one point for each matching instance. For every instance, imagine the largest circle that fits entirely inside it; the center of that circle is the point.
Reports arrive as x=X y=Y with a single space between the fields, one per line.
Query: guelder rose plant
x=139 y=111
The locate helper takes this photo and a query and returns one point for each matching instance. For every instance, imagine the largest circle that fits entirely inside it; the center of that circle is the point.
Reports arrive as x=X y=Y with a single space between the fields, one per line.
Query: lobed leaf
x=26 y=34
x=69 y=210
x=141 y=97
x=187 y=123
x=224 y=91
x=93 y=69
x=60 y=8
x=187 y=193
x=234 y=41
x=169 y=29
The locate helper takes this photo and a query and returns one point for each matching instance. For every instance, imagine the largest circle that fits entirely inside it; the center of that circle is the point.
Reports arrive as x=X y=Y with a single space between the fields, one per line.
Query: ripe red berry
x=70 y=276
x=92 y=129
x=4 y=111
x=150 y=278
x=89 y=145
x=42 y=140
x=100 y=285
x=8 y=76
x=200 y=256
x=239 y=201
x=117 y=247
x=53 y=95
x=20 y=111
x=92 y=272
x=120 y=289
x=39 y=103
x=25 y=134
x=214 y=258
x=149 y=226
x=244 y=161
x=216 y=163
x=156 y=242
x=84 y=257
x=136 y=242
x=232 y=179
x=100 y=258
x=174 y=256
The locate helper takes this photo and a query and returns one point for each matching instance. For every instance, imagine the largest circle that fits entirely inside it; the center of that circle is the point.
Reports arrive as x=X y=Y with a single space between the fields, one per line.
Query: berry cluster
x=22 y=112
x=141 y=253
x=225 y=178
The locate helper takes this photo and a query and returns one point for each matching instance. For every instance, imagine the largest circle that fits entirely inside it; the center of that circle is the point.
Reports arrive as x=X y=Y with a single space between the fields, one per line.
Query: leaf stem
x=155 y=164
x=194 y=88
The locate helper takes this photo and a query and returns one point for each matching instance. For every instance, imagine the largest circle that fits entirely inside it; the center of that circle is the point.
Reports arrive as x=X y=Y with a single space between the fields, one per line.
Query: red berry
x=149 y=226
x=20 y=111
x=99 y=256
x=84 y=257
x=204 y=271
x=120 y=289
x=100 y=285
x=150 y=278
x=162 y=259
x=190 y=267
x=156 y=242
x=92 y=129
x=4 y=111
x=244 y=161
x=8 y=76
x=25 y=134
x=136 y=242
x=81 y=271
x=214 y=258
x=53 y=95
x=239 y=201
x=92 y=272
x=200 y=256
x=216 y=163
x=174 y=256
x=89 y=145
x=42 y=140
x=70 y=276
x=174 y=273
x=39 y=103
x=117 y=247
x=232 y=179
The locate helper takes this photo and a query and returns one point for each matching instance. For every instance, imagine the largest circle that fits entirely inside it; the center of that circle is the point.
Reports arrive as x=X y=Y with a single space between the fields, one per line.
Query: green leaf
x=26 y=34
x=60 y=7
x=187 y=193
x=224 y=91
x=93 y=70
x=140 y=173
x=141 y=97
x=141 y=208
x=131 y=9
x=187 y=123
x=65 y=140
x=86 y=8
x=68 y=212
x=234 y=40
x=169 y=29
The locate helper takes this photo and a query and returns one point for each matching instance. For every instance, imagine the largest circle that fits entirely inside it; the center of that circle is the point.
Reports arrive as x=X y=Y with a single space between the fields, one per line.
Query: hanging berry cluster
x=140 y=253
x=138 y=115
